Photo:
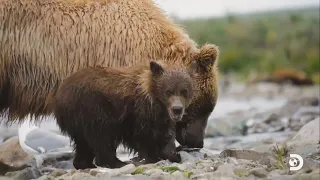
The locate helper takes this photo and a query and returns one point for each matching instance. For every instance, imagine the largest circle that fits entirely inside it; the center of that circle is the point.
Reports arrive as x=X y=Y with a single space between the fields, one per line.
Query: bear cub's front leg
x=169 y=152
x=168 y=148
x=165 y=149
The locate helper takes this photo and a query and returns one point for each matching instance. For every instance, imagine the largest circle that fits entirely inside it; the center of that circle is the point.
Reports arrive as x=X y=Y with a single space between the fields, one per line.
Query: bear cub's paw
x=175 y=157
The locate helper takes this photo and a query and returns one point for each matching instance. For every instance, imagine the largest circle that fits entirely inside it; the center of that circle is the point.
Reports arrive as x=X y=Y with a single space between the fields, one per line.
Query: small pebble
x=232 y=160
x=186 y=165
x=177 y=174
x=152 y=171
x=45 y=177
x=259 y=172
x=93 y=172
x=58 y=173
x=82 y=176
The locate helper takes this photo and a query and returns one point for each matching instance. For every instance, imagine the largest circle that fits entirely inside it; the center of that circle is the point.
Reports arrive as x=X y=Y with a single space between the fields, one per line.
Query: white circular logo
x=295 y=162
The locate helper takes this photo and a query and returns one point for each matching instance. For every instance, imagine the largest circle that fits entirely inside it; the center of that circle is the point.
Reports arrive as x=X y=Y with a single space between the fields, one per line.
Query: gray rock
x=160 y=176
x=64 y=165
x=25 y=174
x=225 y=171
x=107 y=173
x=5 y=178
x=156 y=174
x=300 y=175
x=203 y=176
x=12 y=156
x=255 y=140
x=167 y=162
x=81 y=176
x=276 y=173
x=259 y=127
x=58 y=172
x=147 y=166
x=272 y=118
x=263 y=158
x=251 y=164
x=259 y=172
x=227 y=126
x=308 y=134
x=186 y=166
x=267 y=122
x=4 y=168
x=220 y=143
x=293 y=105
x=138 y=177
x=46 y=177
x=206 y=166
x=178 y=175
x=54 y=158
x=208 y=153
x=307 y=118
x=198 y=154
x=306 y=111
x=232 y=160
x=191 y=157
x=306 y=142
x=127 y=177
x=310 y=176
x=152 y=171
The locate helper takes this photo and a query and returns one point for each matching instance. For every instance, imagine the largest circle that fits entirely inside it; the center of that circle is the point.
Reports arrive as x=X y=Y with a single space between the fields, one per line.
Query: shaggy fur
x=191 y=130
x=43 y=41
x=99 y=108
x=203 y=70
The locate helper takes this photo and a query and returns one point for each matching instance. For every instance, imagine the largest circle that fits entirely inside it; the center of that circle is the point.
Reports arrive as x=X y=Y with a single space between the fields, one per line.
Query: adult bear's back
x=43 y=41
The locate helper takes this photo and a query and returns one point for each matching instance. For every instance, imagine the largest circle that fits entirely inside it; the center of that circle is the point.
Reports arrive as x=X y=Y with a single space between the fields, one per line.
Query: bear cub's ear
x=156 y=68
x=206 y=59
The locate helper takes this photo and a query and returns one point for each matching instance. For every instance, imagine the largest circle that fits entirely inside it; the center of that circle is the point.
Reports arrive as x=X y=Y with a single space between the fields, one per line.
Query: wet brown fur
x=99 y=108
x=191 y=130
x=44 y=41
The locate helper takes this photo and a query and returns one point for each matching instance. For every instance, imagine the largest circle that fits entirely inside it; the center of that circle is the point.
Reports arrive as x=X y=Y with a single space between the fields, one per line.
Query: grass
x=170 y=169
x=262 y=43
x=280 y=153
x=241 y=172
x=187 y=174
x=139 y=170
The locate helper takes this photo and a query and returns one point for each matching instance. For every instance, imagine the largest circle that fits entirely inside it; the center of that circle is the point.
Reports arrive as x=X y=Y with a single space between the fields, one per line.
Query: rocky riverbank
x=250 y=135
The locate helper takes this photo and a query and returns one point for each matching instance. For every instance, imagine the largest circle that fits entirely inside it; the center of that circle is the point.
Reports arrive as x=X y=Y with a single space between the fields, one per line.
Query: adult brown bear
x=285 y=75
x=100 y=108
x=44 y=41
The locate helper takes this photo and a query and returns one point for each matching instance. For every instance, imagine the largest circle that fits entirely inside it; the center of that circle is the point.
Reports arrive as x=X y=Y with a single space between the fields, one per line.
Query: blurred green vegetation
x=262 y=42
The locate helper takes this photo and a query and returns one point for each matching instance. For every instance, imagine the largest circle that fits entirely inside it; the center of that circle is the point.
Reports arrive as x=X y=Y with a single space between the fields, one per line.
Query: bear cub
x=101 y=108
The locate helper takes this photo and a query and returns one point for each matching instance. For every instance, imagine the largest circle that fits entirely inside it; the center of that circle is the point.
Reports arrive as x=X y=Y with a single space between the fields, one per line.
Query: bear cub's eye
x=184 y=92
x=169 y=93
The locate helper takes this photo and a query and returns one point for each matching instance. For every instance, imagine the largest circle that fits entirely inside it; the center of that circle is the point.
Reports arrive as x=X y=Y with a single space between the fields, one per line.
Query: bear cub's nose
x=177 y=109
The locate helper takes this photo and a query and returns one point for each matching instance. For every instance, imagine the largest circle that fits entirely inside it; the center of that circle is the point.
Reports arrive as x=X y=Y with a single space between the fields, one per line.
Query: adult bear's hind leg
x=4 y=95
x=84 y=155
x=108 y=158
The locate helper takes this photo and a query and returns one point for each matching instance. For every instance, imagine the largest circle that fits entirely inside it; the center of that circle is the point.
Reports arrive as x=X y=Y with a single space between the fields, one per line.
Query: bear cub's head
x=173 y=88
